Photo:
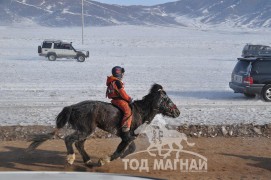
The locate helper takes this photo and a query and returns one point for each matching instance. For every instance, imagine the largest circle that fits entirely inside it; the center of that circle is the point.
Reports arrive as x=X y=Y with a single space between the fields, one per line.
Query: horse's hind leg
x=80 y=147
x=69 y=140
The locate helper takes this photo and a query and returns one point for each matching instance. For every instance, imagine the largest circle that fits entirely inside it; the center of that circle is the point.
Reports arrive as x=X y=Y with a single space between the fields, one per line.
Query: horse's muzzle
x=176 y=113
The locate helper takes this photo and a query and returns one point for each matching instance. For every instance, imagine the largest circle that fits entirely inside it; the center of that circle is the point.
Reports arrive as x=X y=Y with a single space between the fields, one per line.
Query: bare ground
x=228 y=158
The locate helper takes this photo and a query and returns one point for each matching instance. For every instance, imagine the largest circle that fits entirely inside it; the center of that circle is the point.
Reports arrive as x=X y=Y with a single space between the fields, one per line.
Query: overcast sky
x=135 y=2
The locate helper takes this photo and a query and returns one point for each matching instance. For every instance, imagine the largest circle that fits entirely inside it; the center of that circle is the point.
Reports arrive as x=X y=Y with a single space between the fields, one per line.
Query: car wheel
x=266 y=93
x=52 y=57
x=250 y=95
x=81 y=58
x=39 y=49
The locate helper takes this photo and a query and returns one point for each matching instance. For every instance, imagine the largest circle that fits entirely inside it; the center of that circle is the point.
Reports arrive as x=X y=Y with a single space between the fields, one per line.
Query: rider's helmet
x=117 y=71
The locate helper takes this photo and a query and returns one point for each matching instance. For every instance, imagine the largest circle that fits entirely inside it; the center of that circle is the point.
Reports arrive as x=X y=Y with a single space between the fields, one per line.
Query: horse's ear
x=155 y=88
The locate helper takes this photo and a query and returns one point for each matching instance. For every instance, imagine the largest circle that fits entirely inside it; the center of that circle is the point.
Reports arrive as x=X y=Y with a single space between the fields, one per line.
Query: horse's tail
x=38 y=139
x=61 y=120
x=63 y=117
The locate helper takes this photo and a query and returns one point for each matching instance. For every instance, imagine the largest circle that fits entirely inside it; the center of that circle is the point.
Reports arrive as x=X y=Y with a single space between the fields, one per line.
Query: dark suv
x=252 y=76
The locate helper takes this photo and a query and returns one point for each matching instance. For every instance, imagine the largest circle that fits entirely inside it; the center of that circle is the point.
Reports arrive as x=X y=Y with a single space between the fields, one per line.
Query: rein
x=165 y=106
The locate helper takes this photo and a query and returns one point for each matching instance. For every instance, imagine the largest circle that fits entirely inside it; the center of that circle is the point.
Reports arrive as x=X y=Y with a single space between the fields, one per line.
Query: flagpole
x=82 y=21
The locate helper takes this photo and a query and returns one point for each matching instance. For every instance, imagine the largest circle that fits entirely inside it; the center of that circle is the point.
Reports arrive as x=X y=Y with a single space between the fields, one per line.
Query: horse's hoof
x=70 y=159
x=103 y=161
x=67 y=165
x=88 y=163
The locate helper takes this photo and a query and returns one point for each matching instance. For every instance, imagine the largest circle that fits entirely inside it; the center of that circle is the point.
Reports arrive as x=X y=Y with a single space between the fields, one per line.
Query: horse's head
x=163 y=103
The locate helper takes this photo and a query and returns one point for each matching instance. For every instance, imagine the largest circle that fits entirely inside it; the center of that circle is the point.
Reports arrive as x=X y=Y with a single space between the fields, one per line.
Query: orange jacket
x=114 y=92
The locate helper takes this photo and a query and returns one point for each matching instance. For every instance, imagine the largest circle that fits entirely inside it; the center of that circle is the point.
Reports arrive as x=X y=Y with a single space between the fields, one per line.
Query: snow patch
x=193 y=64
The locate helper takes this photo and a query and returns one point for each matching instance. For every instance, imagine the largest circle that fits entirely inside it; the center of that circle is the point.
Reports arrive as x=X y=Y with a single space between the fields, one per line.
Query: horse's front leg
x=119 y=151
x=129 y=150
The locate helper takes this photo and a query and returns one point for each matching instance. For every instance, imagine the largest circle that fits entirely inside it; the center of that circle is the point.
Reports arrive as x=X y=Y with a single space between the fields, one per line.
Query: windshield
x=242 y=67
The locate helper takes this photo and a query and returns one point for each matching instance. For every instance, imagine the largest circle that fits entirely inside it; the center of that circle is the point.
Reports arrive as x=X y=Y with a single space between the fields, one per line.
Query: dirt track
x=228 y=158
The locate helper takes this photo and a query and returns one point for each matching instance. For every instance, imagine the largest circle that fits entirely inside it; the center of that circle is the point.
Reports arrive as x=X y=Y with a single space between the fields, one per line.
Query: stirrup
x=126 y=136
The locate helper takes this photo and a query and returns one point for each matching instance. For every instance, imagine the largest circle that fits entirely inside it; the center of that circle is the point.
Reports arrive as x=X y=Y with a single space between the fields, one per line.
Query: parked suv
x=252 y=76
x=53 y=49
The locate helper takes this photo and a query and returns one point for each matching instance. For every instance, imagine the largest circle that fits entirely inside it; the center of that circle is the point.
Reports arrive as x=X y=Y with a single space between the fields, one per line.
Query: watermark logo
x=166 y=153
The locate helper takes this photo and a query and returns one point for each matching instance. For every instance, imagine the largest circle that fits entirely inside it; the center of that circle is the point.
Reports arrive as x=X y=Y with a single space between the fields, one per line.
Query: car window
x=254 y=48
x=266 y=50
x=57 y=45
x=65 y=46
x=263 y=67
x=46 y=45
x=241 y=67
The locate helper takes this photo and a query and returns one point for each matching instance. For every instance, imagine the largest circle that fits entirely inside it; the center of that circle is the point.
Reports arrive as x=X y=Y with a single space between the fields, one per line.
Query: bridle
x=164 y=103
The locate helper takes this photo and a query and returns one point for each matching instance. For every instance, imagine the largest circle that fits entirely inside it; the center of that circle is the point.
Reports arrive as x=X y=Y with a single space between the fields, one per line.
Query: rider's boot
x=126 y=135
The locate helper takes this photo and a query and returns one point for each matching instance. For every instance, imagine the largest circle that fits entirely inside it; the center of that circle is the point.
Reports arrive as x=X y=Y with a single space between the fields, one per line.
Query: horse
x=85 y=116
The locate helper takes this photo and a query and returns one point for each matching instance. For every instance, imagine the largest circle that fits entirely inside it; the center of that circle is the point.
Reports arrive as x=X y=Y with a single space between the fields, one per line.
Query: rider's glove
x=131 y=101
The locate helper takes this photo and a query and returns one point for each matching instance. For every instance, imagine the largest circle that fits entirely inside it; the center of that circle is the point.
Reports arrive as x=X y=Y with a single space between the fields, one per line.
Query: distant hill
x=235 y=13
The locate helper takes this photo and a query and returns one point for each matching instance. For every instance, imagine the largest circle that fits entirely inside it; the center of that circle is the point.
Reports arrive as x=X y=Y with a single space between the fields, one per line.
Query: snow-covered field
x=193 y=65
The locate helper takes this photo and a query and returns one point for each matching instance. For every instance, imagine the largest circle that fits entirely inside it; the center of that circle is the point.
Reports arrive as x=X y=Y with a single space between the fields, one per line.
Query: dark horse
x=85 y=116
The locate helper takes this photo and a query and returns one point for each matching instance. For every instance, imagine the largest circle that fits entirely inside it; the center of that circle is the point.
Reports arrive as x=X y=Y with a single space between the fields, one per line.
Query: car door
x=261 y=72
x=46 y=47
x=68 y=51
x=58 y=49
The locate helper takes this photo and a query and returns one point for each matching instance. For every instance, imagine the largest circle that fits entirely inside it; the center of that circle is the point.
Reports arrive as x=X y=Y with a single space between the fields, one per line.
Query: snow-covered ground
x=193 y=65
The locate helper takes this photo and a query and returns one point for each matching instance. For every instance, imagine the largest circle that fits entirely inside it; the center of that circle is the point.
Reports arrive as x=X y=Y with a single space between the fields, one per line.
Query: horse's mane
x=147 y=101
